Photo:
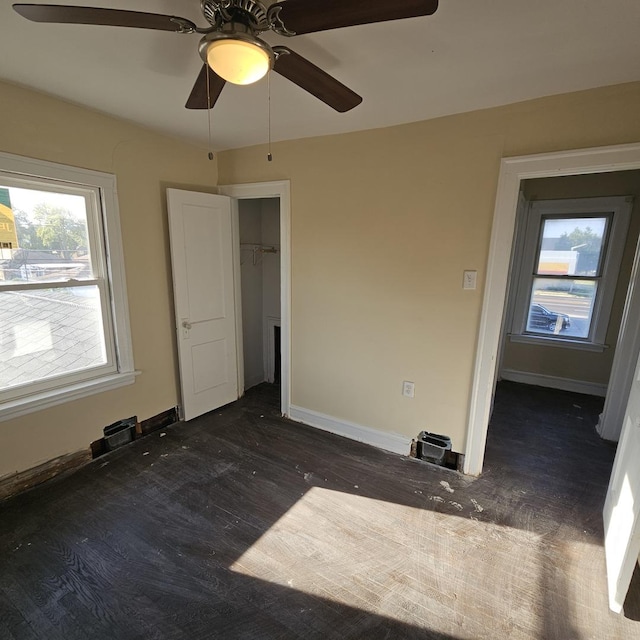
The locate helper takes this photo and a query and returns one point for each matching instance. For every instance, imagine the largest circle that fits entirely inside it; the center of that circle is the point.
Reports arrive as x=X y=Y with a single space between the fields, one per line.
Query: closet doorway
x=261 y=220
x=259 y=231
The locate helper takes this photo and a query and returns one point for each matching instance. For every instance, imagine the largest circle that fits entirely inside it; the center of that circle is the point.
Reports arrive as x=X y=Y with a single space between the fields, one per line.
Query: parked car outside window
x=542 y=318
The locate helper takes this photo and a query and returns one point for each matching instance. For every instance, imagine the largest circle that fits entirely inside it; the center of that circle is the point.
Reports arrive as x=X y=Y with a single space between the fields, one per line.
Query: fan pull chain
x=269 y=156
x=210 y=154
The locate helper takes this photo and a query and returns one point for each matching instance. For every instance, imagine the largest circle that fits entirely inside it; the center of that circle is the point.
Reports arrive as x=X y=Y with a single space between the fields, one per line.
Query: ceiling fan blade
x=198 y=97
x=108 y=17
x=307 y=16
x=314 y=80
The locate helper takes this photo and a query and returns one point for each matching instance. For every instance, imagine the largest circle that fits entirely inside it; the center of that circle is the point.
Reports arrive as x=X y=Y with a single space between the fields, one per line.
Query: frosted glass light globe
x=238 y=61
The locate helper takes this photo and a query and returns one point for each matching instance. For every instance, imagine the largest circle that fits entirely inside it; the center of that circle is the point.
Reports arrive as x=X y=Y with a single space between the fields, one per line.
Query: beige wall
x=586 y=366
x=383 y=224
x=144 y=163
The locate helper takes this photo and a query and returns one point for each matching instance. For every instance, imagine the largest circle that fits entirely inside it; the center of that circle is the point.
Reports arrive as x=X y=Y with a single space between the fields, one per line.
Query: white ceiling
x=470 y=54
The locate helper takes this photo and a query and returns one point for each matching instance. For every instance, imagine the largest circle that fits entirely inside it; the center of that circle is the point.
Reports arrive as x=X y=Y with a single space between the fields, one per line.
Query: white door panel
x=205 y=266
x=622 y=506
x=202 y=259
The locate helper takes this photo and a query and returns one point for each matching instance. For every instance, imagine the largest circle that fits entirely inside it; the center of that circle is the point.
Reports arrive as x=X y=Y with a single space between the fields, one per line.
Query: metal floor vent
x=436 y=449
x=119 y=433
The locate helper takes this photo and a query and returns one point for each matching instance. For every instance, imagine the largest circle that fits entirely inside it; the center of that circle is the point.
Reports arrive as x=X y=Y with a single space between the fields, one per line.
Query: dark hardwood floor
x=243 y=525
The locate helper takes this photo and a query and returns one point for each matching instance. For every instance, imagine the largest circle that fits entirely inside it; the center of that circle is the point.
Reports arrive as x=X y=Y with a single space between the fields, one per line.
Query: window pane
x=562 y=307
x=49 y=332
x=43 y=236
x=571 y=246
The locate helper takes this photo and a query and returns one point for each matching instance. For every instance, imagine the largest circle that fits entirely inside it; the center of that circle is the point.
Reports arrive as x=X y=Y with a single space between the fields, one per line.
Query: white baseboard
x=389 y=441
x=553 y=382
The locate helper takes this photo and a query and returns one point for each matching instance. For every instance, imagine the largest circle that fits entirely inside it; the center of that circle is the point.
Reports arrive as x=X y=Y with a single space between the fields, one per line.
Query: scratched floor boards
x=243 y=525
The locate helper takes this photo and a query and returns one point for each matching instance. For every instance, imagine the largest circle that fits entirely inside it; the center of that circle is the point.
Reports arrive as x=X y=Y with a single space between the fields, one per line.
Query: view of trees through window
x=50 y=228
x=44 y=236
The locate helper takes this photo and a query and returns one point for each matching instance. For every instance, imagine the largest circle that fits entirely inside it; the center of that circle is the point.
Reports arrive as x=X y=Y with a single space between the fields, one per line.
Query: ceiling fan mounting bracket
x=280 y=51
x=251 y=13
x=186 y=26
x=275 y=21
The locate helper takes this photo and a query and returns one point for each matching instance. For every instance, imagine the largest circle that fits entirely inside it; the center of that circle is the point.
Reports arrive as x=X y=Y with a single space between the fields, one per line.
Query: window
x=64 y=330
x=570 y=253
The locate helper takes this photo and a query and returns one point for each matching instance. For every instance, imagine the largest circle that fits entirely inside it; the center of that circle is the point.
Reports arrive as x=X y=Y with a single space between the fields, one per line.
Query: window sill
x=564 y=343
x=45 y=399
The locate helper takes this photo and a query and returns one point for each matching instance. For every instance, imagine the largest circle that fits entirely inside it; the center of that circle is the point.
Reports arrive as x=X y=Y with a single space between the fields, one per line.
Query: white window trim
x=123 y=372
x=52 y=397
x=619 y=208
x=565 y=343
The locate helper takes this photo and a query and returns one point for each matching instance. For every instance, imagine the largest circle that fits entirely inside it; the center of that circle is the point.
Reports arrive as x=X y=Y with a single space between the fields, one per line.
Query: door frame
x=256 y=191
x=512 y=171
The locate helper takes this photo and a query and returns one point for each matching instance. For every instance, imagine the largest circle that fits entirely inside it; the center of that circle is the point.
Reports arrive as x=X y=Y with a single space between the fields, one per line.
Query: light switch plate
x=469 y=279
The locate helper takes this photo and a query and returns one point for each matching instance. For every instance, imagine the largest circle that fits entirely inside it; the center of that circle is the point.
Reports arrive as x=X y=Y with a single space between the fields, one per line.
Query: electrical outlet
x=469 y=279
x=408 y=389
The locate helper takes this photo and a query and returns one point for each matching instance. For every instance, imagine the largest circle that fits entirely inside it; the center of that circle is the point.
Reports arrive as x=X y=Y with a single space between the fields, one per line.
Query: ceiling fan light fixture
x=239 y=60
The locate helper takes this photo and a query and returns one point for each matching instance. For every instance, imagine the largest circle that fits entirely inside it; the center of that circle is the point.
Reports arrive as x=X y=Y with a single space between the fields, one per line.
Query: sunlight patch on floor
x=400 y=562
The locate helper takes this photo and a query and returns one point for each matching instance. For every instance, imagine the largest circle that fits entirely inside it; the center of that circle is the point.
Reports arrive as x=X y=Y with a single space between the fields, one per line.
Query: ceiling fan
x=230 y=46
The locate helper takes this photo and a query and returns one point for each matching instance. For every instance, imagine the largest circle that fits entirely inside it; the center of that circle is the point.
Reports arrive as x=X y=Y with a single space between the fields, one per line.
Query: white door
x=202 y=258
x=622 y=506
